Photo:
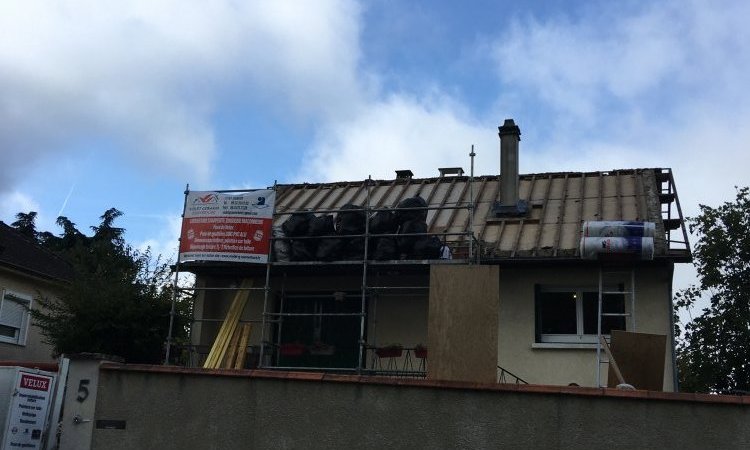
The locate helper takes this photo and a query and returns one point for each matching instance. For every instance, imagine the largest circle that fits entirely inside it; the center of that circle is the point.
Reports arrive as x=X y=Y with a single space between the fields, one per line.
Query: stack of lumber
x=229 y=348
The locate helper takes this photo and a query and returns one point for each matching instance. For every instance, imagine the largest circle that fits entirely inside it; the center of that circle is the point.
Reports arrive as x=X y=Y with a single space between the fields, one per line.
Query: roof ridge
x=52 y=255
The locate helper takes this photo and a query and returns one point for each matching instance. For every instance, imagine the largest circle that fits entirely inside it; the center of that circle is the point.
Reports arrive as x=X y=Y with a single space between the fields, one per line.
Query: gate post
x=79 y=406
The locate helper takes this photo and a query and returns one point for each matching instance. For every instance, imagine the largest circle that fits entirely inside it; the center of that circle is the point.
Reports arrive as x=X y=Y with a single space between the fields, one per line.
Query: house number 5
x=83 y=390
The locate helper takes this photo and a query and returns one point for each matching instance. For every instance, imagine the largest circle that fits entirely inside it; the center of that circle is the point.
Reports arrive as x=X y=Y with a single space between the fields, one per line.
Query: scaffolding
x=410 y=361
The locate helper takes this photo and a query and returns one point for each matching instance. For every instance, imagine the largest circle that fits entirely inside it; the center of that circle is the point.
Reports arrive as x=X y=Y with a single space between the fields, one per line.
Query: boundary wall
x=174 y=408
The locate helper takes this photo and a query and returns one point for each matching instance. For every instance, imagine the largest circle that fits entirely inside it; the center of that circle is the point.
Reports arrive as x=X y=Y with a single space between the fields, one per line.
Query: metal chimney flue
x=510 y=135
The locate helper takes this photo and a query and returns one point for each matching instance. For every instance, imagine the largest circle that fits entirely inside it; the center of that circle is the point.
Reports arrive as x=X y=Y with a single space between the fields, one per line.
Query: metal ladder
x=607 y=280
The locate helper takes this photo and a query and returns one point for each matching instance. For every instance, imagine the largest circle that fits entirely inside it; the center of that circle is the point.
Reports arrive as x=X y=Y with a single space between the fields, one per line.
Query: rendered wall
x=561 y=365
x=402 y=318
x=463 y=323
x=179 y=411
x=34 y=349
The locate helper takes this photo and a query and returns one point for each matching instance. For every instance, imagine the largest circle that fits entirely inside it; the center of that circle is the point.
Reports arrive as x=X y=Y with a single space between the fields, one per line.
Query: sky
x=122 y=104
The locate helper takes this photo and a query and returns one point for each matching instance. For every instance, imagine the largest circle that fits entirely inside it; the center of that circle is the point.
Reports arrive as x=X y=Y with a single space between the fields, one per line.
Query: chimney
x=404 y=174
x=509 y=134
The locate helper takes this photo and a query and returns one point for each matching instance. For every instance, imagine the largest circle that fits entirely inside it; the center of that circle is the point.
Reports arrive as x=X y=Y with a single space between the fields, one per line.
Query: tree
x=26 y=224
x=119 y=300
x=713 y=354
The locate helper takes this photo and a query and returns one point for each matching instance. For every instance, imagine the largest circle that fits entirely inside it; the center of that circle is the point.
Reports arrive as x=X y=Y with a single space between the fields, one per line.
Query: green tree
x=119 y=300
x=714 y=351
x=26 y=224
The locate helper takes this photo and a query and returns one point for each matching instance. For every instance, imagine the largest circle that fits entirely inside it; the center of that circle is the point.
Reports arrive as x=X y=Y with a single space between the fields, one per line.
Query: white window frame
x=579 y=337
x=23 y=331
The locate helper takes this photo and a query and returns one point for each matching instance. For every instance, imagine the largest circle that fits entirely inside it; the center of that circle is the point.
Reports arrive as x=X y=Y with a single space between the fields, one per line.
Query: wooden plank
x=492 y=201
x=227 y=361
x=442 y=204
x=219 y=347
x=354 y=196
x=542 y=223
x=323 y=197
x=293 y=200
x=517 y=239
x=561 y=215
x=640 y=195
x=385 y=195
x=462 y=323
x=402 y=192
x=465 y=226
x=618 y=195
x=242 y=350
x=581 y=197
x=612 y=360
x=640 y=358
x=600 y=199
x=454 y=212
x=335 y=203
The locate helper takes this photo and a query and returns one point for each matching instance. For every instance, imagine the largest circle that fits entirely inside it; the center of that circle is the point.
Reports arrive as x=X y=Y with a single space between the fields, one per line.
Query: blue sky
x=121 y=104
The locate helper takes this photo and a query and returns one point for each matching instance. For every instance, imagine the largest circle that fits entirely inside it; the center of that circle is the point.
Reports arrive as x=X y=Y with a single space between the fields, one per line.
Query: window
x=569 y=315
x=14 y=317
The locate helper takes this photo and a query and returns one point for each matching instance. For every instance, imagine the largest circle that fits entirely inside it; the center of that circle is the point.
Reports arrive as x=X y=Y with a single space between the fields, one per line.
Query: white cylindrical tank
x=596 y=247
x=618 y=228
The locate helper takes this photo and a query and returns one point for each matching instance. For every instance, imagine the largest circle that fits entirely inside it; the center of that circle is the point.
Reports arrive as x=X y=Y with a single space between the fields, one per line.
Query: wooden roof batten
x=616 y=194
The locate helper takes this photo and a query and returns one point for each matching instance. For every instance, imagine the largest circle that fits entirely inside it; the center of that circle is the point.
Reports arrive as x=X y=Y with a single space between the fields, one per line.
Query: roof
x=558 y=203
x=19 y=253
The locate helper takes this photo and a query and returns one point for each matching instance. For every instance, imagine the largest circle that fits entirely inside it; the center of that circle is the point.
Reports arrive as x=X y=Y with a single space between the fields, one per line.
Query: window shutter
x=13 y=311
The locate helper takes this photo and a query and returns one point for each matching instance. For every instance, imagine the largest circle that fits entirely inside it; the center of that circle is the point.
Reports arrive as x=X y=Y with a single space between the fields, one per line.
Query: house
x=27 y=271
x=511 y=294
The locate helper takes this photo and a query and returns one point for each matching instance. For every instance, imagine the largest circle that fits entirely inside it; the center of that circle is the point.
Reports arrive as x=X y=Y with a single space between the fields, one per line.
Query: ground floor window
x=14 y=317
x=569 y=315
x=319 y=330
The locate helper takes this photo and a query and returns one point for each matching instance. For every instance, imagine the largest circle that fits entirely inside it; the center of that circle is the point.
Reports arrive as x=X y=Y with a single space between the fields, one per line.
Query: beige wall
x=401 y=317
x=561 y=366
x=34 y=349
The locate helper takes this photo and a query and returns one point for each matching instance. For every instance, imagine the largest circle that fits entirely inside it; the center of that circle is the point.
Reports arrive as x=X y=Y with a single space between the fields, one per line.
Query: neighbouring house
x=27 y=272
x=500 y=282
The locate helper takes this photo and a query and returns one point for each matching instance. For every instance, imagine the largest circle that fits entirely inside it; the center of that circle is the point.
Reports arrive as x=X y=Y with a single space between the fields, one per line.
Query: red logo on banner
x=35 y=383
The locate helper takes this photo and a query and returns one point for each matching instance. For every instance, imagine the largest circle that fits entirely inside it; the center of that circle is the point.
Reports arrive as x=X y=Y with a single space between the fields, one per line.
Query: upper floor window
x=569 y=315
x=14 y=317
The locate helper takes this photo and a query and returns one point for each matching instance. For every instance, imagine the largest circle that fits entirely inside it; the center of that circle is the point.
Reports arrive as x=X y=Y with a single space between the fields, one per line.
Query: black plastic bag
x=384 y=249
x=321 y=226
x=298 y=224
x=383 y=222
x=330 y=249
x=412 y=214
x=354 y=248
x=302 y=250
x=428 y=248
x=350 y=222
x=406 y=243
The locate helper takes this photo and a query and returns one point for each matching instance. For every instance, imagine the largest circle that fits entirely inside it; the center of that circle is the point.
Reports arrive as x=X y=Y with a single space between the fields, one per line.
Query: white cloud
x=13 y=202
x=656 y=85
x=617 y=64
x=401 y=133
x=148 y=75
x=164 y=238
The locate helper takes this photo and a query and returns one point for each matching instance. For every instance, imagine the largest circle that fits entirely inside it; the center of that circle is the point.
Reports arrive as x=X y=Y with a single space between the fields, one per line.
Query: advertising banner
x=232 y=227
x=29 y=404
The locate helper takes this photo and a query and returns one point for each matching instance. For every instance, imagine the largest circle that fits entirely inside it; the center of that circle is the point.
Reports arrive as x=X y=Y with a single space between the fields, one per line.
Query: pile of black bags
x=340 y=239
